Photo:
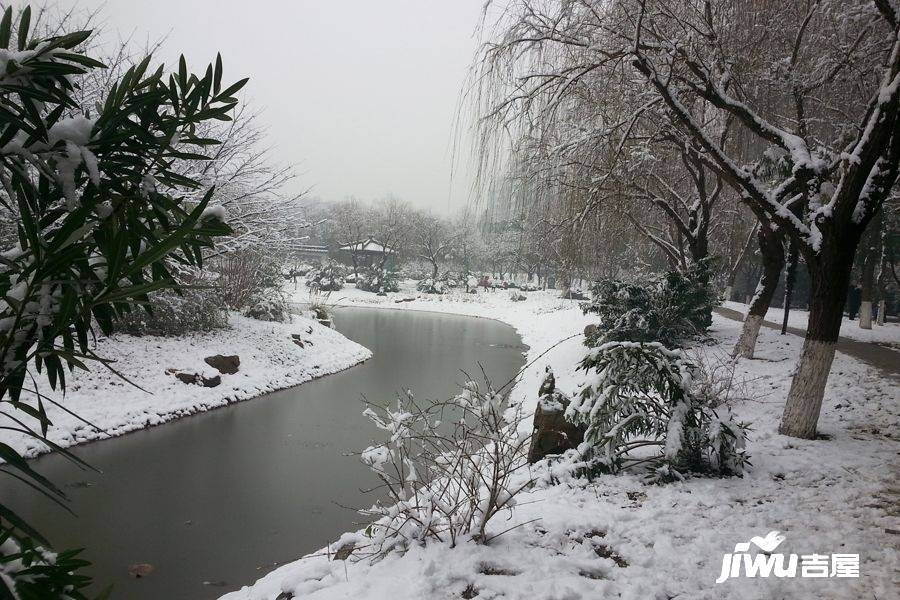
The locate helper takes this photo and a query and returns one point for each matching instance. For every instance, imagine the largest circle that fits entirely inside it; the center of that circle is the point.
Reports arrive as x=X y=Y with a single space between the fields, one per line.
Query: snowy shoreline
x=270 y=360
x=657 y=541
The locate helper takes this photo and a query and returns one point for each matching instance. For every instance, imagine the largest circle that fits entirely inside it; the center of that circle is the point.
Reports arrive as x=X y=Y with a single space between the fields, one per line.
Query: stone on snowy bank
x=298 y=339
x=553 y=433
x=227 y=365
x=195 y=378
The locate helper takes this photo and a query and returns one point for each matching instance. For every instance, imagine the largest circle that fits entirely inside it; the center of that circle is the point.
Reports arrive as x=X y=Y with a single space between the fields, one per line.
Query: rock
x=195 y=378
x=573 y=295
x=298 y=339
x=140 y=570
x=548 y=385
x=553 y=434
x=344 y=552
x=285 y=596
x=636 y=496
x=227 y=365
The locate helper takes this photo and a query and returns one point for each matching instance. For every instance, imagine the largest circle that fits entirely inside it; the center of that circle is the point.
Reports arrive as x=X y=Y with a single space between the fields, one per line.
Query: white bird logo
x=766 y=544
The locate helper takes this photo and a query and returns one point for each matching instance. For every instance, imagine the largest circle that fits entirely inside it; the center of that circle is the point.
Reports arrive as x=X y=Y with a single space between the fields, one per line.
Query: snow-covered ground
x=269 y=360
x=887 y=334
x=617 y=537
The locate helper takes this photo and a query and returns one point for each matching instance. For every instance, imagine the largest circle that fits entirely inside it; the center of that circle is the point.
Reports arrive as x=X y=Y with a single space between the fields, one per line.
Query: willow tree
x=824 y=116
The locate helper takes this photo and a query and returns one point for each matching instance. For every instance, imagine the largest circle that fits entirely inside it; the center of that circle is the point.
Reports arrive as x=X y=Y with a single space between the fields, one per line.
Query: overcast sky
x=359 y=94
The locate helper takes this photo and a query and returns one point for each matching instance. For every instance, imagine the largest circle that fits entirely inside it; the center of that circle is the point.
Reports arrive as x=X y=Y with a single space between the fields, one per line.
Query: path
x=884 y=359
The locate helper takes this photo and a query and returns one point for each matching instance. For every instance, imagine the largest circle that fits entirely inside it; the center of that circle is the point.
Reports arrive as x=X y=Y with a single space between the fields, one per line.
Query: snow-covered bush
x=169 y=313
x=414 y=269
x=640 y=408
x=668 y=308
x=273 y=308
x=378 y=280
x=454 y=279
x=328 y=277
x=448 y=467
x=432 y=286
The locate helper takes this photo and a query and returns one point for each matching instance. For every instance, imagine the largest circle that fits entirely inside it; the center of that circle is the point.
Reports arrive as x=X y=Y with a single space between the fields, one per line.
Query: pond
x=216 y=500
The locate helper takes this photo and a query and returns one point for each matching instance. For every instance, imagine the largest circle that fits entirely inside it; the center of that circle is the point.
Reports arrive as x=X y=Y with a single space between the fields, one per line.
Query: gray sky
x=359 y=94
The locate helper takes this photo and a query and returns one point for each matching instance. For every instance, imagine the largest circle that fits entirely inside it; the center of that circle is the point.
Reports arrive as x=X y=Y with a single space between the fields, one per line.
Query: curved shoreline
x=270 y=363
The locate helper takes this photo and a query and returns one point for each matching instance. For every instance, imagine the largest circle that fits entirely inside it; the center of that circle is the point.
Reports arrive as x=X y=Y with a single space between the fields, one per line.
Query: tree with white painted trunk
x=771 y=249
x=832 y=192
x=871 y=252
x=811 y=87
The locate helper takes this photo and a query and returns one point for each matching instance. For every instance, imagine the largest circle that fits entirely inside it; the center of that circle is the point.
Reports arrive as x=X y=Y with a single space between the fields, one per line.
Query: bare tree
x=432 y=240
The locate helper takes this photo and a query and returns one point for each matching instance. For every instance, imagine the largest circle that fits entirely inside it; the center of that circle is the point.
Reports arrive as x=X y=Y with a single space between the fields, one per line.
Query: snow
x=215 y=213
x=269 y=360
x=618 y=537
x=885 y=335
x=367 y=246
x=76 y=130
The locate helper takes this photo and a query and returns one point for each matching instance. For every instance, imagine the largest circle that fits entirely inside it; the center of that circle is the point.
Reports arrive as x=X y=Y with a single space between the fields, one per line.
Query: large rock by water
x=227 y=365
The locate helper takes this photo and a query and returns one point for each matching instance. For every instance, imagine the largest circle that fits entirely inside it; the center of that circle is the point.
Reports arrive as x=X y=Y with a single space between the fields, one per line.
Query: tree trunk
x=867 y=288
x=772 y=250
x=871 y=262
x=790 y=275
x=881 y=307
x=829 y=278
x=728 y=290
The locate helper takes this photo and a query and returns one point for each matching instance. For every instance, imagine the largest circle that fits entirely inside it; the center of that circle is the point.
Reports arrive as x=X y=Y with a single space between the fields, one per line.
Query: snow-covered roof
x=369 y=245
x=313 y=249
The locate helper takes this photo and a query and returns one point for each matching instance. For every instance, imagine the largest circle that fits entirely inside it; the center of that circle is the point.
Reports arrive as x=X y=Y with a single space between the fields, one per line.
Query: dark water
x=215 y=501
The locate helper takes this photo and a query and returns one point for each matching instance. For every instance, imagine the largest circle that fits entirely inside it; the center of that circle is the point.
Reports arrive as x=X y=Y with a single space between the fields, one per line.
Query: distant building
x=312 y=253
x=367 y=253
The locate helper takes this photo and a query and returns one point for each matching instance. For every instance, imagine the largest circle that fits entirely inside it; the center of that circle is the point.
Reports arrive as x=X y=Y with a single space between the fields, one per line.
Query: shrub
x=668 y=308
x=106 y=206
x=170 y=313
x=414 y=269
x=379 y=280
x=329 y=277
x=248 y=277
x=448 y=468
x=432 y=286
x=454 y=279
x=273 y=308
x=642 y=396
